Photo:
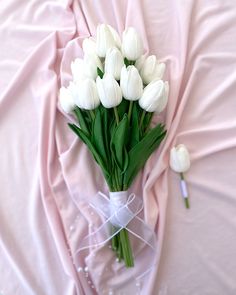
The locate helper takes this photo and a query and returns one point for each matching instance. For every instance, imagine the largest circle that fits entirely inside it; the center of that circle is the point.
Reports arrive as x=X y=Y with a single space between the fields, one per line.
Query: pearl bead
x=138 y=284
x=72 y=227
x=86 y=269
x=80 y=269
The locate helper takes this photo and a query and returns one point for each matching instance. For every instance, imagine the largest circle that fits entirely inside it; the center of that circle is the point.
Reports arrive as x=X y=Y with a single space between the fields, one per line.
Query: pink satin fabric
x=46 y=172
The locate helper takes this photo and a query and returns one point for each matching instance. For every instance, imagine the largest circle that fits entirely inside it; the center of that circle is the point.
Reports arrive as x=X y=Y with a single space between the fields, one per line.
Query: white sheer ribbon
x=121 y=211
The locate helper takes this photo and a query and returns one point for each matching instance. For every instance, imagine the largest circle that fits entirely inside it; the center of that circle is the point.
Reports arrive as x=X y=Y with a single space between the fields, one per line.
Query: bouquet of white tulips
x=114 y=93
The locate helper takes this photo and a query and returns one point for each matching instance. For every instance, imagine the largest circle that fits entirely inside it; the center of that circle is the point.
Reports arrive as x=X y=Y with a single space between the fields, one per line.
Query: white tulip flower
x=179 y=159
x=115 y=36
x=131 y=83
x=155 y=96
x=86 y=96
x=89 y=46
x=66 y=99
x=78 y=69
x=91 y=63
x=163 y=102
x=152 y=70
x=139 y=62
x=132 y=46
x=109 y=91
x=85 y=68
x=114 y=62
x=180 y=163
x=105 y=40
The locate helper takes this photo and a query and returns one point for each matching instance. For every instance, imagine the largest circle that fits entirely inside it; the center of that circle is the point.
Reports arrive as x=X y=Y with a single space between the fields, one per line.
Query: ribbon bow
x=121 y=211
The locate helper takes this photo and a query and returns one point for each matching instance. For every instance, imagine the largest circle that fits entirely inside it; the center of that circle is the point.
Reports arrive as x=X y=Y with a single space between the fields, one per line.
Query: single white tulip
x=115 y=36
x=131 y=83
x=155 y=96
x=78 y=69
x=114 y=62
x=109 y=91
x=179 y=158
x=85 y=68
x=152 y=70
x=105 y=40
x=89 y=46
x=66 y=99
x=163 y=102
x=139 y=62
x=132 y=46
x=91 y=63
x=86 y=96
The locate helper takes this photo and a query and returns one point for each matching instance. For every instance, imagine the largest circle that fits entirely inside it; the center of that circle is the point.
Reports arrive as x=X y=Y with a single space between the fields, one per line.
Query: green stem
x=186 y=201
x=117 y=181
x=116 y=115
x=120 y=250
x=142 y=118
x=130 y=109
x=114 y=241
x=126 y=248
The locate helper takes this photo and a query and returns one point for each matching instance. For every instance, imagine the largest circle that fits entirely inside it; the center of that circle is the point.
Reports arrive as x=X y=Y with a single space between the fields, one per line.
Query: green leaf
x=91 y=147
x=100 y=72
x=134 y=128
x=98 y=136
x=147 y=120
x=118 y=144
x=81 y=118
x=126 y=62
x=139 y=154
x=123 y=108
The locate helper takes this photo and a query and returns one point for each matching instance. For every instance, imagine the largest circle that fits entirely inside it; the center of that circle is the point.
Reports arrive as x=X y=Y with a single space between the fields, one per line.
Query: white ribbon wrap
x=184 y=189
x=124 y=214
x=121 y=211
x=121 y=217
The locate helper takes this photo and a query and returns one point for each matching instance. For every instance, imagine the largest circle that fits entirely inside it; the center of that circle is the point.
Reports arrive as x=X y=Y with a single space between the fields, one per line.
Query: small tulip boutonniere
x=180 y=163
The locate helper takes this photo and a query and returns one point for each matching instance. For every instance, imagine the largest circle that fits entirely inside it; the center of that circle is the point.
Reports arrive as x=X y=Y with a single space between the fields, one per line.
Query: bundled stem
x=120 y=242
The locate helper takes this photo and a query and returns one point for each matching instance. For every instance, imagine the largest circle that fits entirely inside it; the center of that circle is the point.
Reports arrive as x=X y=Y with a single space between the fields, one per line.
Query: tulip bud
x=179 y=159
x=152 y=70
x=85 y=68
x=91 y=63
x=105 y=40
x=132 y=47
x=77 y=69
x=109 y=91
x=89 y=46
x=86 y=96
x=114 y=62
x=139 y=62
x=155 y=96
x=163 y=102
x=115 y=36
x=131 y=83
x=66 y=98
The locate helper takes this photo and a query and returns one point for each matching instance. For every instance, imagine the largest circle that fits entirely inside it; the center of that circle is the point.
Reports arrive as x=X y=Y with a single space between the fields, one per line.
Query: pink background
x=45 y=170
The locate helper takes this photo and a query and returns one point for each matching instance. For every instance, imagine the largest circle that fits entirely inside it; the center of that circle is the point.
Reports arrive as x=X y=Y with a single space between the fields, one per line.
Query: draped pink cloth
x=46 y=171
